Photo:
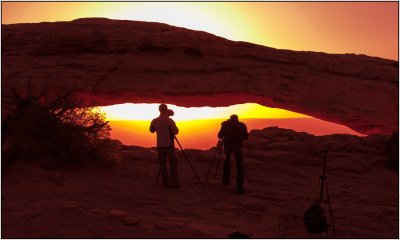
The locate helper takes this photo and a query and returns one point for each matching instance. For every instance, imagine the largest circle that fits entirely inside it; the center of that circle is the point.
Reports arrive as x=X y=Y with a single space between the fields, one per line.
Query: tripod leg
x=212 y=161
x=330 y=209
x=187 y=159
x=219 y=157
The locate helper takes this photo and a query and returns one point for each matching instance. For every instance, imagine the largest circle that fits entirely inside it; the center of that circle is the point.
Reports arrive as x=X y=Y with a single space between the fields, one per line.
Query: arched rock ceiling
x=111 y=61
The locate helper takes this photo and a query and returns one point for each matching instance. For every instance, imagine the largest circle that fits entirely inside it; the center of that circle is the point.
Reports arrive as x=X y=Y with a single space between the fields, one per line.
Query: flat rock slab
x=106 y=62
x=118 y=214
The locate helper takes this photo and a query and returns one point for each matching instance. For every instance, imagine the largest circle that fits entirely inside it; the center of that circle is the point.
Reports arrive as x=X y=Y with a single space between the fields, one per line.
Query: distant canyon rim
x=107 y=62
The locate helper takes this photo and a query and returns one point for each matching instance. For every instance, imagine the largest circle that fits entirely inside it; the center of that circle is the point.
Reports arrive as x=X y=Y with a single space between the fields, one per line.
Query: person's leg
x=237 y=152
x=173 y=164
x=226 y=175
x=162 y=159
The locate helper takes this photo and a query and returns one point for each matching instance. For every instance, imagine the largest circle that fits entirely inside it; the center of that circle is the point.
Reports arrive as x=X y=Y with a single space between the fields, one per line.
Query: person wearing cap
x=166 y=130
x=233 y=134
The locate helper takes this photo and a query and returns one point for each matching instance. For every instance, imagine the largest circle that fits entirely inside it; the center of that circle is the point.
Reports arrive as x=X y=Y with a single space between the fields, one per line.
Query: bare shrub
x=57 y=132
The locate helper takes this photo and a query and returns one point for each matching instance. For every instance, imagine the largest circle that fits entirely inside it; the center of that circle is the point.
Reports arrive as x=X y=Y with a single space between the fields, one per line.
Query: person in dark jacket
x=233 y=134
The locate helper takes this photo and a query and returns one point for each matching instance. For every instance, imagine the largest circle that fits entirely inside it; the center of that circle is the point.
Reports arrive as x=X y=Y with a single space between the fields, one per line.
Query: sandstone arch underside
x=112 y=61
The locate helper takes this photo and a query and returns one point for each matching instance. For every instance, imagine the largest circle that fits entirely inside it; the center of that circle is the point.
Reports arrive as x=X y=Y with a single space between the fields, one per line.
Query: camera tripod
x=219 y=149
x=324 y=186
x=187 y=159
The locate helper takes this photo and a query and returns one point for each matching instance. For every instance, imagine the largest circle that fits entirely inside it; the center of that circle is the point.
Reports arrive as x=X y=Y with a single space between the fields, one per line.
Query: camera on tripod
x=315 y=220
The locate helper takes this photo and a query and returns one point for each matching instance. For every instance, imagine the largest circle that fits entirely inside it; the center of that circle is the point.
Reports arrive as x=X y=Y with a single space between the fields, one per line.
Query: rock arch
x=114 y=61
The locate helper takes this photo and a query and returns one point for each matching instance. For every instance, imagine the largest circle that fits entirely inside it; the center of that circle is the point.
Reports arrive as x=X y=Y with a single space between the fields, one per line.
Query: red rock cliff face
x=112 y=61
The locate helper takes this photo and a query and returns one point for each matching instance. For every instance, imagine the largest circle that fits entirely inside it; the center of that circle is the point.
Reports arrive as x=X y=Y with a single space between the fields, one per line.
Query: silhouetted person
x=233 y=133
x=166 y=130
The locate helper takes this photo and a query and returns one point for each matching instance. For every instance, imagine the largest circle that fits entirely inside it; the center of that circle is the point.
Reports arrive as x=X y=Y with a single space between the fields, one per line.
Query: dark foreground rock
x=283 y=167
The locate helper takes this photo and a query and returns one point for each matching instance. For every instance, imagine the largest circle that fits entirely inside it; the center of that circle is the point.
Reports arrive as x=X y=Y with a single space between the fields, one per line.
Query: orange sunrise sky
x=369 y=28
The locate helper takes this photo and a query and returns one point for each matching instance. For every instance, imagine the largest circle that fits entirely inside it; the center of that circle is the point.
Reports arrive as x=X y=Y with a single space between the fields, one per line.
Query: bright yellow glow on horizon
x=147 y=112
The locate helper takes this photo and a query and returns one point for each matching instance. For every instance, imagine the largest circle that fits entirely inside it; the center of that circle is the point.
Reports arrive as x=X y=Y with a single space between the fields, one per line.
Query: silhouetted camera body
x=170 y=112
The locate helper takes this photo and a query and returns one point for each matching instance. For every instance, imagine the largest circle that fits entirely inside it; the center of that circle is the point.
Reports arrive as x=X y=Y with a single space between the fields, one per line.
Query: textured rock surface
x=111 y=62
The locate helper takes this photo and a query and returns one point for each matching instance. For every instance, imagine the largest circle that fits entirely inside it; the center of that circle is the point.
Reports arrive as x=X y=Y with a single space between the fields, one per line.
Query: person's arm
x=221 y=133
x=174 y=128
x=152 y=127
x=245 y=133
